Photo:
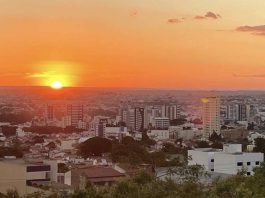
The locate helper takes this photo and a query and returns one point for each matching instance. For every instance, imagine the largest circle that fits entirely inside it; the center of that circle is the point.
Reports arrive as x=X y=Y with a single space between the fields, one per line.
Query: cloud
x=175 y=20
x=257 y=30
x=208 y=15
x=249 y=75
x=134 y=12
x=40 y=75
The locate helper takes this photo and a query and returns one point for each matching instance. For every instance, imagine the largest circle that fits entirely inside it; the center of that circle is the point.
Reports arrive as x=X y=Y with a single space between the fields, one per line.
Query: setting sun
x=56 y=85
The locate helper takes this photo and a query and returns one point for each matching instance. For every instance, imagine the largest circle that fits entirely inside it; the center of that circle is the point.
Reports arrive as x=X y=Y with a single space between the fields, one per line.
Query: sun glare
x=56 y=85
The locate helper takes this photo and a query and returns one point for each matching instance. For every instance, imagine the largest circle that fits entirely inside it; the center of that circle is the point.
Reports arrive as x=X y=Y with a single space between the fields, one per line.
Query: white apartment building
x=170 y=111
x=211 y=116
x=230 y=160
x=161 y=122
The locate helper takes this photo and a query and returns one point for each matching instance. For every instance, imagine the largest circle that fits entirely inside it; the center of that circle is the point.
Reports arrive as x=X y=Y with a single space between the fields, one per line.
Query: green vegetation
x=14 y=150
x=148 y=186
x=95 y=146
x=259 y=145
x=127 y=151
x=62 y=168
x=136 y=153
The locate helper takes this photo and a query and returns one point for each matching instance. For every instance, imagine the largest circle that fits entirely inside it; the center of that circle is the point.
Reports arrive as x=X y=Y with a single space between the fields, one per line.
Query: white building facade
x=230 y=160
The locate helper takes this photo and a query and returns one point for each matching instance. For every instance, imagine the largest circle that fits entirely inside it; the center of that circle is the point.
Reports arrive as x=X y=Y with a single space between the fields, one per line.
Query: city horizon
x=133 y=88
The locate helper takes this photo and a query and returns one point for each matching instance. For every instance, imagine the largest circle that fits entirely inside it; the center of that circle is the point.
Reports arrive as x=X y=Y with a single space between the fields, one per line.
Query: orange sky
x=140 y=43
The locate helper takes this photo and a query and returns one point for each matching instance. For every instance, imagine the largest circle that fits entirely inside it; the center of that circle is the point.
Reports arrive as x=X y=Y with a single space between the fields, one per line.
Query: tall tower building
x=76 y=112
x=236 y=112
x=50 y=112
x=211 y=116
x=139 y=118
x=135 y=118
x=171 y=111
x=243 y=110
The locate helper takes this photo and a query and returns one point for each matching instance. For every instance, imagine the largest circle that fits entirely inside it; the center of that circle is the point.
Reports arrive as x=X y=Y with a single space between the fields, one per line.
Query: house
x=97 y=175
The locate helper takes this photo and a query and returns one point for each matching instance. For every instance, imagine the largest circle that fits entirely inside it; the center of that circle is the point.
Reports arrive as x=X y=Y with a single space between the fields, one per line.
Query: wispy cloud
x=256 y=30
x=208 y=15
x=175 y=20
x=249 y=75
x=40 y=75
x=134 y=12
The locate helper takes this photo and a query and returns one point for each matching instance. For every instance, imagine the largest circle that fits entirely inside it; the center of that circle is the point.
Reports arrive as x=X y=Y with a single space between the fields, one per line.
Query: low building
x=185 y=133
x=116 y=131
x=97 y=175
x=23 y=176
x=230 y=160
x=234 y=134
x=159 y=134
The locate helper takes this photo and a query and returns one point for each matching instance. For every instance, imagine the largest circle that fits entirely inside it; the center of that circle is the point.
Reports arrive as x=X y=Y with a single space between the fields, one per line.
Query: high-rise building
x=236 y=112
x=243 y=112
x=101 y=127
x=211 y=116
x=139 y=118
x=161 y=123
x=50 y=112
x=134 y=118
x=76 y=112
x=171 y=111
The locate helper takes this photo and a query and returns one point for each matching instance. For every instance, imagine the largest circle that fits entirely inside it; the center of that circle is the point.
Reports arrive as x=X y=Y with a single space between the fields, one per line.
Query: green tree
x=95 y=146
x=259 y=145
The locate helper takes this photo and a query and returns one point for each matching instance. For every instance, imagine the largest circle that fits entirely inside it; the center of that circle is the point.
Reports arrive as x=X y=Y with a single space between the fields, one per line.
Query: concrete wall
x=54 y=169
x=227 y=163
x=13 y=177
x=201 y=158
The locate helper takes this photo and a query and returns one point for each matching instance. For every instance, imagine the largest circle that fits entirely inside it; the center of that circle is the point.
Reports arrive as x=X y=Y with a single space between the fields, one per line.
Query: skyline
x=142 y=44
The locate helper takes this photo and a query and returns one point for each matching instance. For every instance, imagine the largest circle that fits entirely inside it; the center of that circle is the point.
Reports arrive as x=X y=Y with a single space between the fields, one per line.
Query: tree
x=128 y=140
x=259 y=145
x=146 y=140
x=217 y=145
x=214 y=137
x=251 y=126
x=95 y=146
x=177 y=122
x=170 y=148
x=202 y=144
x=62 y=168
x=12 y=194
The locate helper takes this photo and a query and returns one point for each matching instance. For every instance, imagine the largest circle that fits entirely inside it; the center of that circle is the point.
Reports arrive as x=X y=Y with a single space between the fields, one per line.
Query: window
x=248 y=173
x=239 y=163
x=248 y=163
x=212 y=170
x=257 y=162
x=212 y=160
